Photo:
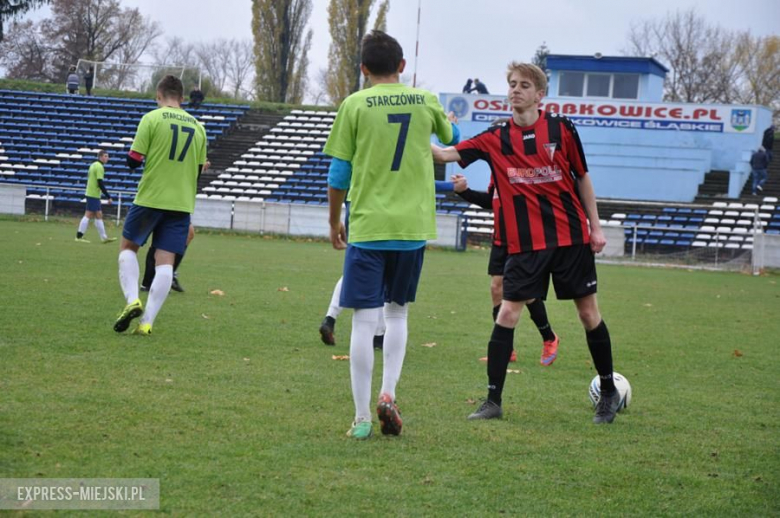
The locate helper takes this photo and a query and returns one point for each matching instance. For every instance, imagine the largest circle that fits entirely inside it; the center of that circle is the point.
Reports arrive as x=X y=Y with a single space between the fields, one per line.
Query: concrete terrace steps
x=247 y=131
x=715 y=186
x=772 y=186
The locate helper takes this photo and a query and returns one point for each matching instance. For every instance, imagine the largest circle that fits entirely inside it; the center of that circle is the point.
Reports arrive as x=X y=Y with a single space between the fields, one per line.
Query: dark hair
x=170 y=87
x=381 y=53
x=102 y=152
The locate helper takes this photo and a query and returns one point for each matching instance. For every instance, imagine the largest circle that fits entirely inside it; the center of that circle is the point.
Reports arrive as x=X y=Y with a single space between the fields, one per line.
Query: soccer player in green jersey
x=172 y=145
x=94 y=210
x=380 y=144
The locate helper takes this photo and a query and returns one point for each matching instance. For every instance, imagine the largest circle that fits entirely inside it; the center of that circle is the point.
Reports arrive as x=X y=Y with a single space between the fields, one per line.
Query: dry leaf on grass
x=246 y=359
x=219 y=293
x=737 y=353
x=471 y=401
x=283 y=288
x=429 y=344
x=513 y=371
x=204 y=316
x=341 y=357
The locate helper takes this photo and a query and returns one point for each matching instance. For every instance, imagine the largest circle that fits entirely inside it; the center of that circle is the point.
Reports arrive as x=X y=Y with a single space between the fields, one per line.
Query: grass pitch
x=239 y=409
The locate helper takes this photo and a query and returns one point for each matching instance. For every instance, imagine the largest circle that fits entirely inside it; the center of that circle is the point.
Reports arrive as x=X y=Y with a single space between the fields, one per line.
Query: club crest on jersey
x=550 y=148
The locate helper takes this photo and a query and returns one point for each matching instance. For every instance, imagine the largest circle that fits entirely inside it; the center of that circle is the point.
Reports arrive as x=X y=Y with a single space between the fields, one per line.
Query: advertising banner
x=713 y=118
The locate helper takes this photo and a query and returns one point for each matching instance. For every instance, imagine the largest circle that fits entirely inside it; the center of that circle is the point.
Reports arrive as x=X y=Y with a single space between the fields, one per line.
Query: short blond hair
x=529 y=70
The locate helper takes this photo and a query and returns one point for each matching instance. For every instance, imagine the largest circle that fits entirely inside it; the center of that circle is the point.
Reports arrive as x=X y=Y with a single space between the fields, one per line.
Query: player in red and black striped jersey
x=498 y=257
x=539 y=172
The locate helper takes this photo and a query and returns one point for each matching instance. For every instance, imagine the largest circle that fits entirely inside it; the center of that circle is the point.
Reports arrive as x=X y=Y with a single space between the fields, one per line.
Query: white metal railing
x=48 y=197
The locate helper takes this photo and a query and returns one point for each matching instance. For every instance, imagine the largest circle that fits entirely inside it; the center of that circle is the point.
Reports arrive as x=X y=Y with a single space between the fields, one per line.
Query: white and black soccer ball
x=621 y=384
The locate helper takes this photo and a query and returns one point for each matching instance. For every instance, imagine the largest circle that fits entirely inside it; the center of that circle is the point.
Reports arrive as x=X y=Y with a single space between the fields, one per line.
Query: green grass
x=239 y=410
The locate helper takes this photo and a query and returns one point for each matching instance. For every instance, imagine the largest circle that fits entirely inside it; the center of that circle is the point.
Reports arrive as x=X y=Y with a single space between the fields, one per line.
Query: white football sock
x=128 y=274
x=83 y=225
x=394 y=346
x=334 y=309
x=158 y=292
x=381 y=326
x=361 y=359
x=101 y=228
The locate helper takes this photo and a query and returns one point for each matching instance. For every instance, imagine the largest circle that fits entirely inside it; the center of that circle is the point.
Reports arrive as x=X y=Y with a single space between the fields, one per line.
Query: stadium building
x=638 y=147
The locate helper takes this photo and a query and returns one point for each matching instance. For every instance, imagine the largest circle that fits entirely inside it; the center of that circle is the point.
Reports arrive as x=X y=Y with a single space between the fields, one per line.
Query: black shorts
x=573 y=270
x=498 y=255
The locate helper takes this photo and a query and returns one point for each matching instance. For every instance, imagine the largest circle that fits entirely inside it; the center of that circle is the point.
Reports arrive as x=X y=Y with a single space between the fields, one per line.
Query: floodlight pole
x=417 y=43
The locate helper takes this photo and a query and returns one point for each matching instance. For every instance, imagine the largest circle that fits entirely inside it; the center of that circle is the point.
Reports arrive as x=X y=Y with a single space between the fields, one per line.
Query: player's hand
x=459 y=183
x=109 y=201
x=597 y=241
x=452 y=117
x=338 y=237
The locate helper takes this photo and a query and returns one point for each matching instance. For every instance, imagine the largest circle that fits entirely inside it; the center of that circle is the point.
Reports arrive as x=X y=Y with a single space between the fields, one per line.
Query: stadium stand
x=48 y=141
x=287 y=165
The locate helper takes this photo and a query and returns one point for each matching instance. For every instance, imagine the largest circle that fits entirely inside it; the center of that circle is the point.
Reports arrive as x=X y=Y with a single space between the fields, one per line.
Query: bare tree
x=759 y=59
x=25 y=54
x=691 y=48
x=281 y=48
x=139 y=42
x=97 y=30
x=240 y=68
x=10 y=10
x=214 y=58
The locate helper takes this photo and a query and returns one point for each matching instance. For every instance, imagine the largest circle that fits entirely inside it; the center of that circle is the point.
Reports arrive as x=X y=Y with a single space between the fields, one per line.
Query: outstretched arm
x=444 y=155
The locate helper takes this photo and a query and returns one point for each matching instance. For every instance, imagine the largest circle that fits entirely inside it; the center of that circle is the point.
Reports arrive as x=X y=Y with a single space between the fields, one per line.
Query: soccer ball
x=622 y=385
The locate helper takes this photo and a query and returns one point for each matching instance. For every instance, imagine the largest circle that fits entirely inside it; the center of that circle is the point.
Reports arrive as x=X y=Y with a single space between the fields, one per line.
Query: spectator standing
x=759 y=163
x=89 y=80
x=769 y=141
x=480 y=87
x=196 y=98
x=72 y=83
x=467 y=86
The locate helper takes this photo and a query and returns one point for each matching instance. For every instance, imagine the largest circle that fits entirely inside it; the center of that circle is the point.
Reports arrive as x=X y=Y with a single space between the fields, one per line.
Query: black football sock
x=601 y=351
x=539 y=315
x=179 y=257
x=79 y=235
x=496 y=309
x=499 y=351
x=149 y=268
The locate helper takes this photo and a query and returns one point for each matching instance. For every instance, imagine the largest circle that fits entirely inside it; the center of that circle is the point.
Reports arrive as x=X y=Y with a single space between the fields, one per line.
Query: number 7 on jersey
x=403 y=119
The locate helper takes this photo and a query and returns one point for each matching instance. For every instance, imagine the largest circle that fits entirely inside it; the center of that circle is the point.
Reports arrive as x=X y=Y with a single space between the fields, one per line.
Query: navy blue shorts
x=93 y=204
x=168 y=228
x=374 y=277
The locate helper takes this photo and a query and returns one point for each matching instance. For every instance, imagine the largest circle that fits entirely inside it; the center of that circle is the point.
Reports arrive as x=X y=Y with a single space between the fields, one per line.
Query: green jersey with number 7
x=385 y=133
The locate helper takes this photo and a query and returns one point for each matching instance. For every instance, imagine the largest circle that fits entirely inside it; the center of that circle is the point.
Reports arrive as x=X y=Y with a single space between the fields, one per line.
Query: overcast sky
x=471 y=38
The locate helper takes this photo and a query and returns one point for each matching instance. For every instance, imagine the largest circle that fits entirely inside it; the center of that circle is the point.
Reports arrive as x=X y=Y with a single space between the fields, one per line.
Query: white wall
x=290 y=219
x=12 y=199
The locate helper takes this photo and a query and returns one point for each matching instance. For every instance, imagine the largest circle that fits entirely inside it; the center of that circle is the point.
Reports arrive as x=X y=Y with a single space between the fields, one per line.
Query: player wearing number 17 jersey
x=380 y=142
x=172 y=144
